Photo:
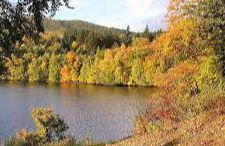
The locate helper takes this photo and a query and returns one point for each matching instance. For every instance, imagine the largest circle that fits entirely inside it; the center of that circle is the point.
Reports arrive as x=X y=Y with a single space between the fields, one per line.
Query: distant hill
x=65 y=25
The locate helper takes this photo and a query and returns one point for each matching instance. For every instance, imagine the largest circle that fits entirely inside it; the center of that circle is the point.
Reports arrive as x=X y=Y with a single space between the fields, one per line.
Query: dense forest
x=89 y=54
x=186 y=61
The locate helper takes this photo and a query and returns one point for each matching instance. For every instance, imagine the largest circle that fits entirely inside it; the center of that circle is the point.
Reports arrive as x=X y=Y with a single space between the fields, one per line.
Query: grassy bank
x=206 y=128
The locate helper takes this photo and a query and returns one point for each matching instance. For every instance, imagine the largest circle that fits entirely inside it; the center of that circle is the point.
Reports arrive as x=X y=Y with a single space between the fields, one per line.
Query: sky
x=117 y=13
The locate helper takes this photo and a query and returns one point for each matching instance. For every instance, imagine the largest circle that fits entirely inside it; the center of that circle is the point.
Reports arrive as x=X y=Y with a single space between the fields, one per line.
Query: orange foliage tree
x=70 y=70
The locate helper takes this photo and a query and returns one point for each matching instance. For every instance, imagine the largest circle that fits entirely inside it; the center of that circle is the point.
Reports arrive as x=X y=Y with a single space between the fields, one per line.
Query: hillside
x=206 y=129
x=51 y=25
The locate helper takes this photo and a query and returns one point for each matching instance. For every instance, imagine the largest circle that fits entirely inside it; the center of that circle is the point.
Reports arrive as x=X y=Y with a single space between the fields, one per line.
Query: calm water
x=102 y=113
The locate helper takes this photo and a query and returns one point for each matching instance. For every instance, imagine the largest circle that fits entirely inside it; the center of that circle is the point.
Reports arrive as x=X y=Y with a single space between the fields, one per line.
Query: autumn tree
x=71 y=68
x=34 y=70
x=137 y=76
x=54 y=68
x=177 y=10
x=210 y=14
x=85 y=70
x=16 y=68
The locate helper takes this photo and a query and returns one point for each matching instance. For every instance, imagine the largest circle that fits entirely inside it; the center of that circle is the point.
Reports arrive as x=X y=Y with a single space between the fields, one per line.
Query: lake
x=102 y=113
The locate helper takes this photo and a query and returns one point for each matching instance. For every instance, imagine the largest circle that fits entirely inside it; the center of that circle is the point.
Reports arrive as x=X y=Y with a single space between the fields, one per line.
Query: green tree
x=127 y=38
x=210 y=15
x=146 y=31
x=148 y=34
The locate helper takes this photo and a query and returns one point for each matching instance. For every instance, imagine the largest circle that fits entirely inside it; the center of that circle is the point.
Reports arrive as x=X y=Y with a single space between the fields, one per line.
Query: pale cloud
x=142 y=12
x=138 y=8
x=139 y=13
x=146 y=8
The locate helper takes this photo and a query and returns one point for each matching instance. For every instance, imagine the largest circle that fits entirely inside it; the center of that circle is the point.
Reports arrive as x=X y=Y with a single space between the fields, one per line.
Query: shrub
x=49 y=126
x=208 y=99
x=16 y=142
x=163 y=113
